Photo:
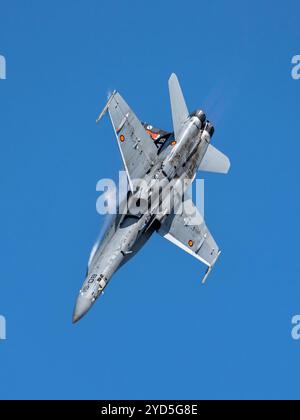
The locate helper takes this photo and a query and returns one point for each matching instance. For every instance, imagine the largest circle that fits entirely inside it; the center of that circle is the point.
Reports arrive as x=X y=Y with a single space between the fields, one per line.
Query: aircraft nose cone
x=82 y=306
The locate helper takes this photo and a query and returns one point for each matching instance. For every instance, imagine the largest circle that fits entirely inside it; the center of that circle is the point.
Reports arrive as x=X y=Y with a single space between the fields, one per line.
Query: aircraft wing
x=189 y=231
x=137 y=148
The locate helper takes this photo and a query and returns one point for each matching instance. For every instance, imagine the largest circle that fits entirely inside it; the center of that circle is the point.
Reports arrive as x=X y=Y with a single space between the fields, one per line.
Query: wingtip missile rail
x=208 y=271
x=103 y=112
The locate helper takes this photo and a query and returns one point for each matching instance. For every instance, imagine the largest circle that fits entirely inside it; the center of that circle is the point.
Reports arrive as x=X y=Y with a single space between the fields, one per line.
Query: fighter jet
x=158 y=163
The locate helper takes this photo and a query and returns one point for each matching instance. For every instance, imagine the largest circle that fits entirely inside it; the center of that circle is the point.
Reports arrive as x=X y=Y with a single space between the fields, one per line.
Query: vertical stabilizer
x=179 y=109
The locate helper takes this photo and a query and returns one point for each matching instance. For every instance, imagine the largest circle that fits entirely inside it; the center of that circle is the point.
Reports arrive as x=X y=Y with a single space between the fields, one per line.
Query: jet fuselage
x=177 y=165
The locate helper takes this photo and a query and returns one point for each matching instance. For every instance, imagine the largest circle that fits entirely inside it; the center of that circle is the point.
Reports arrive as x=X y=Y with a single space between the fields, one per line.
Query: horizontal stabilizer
x=214 y=161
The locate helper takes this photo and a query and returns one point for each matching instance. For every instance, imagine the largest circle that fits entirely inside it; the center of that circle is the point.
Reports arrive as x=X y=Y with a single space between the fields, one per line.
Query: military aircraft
x=155 y=157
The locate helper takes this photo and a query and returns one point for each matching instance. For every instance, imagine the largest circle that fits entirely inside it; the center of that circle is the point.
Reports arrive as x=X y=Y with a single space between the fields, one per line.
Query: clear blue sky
x=156 y=333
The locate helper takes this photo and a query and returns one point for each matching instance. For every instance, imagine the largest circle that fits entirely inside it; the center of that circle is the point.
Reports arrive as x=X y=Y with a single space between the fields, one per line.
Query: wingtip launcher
x=208 y=271
x=104 y=111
